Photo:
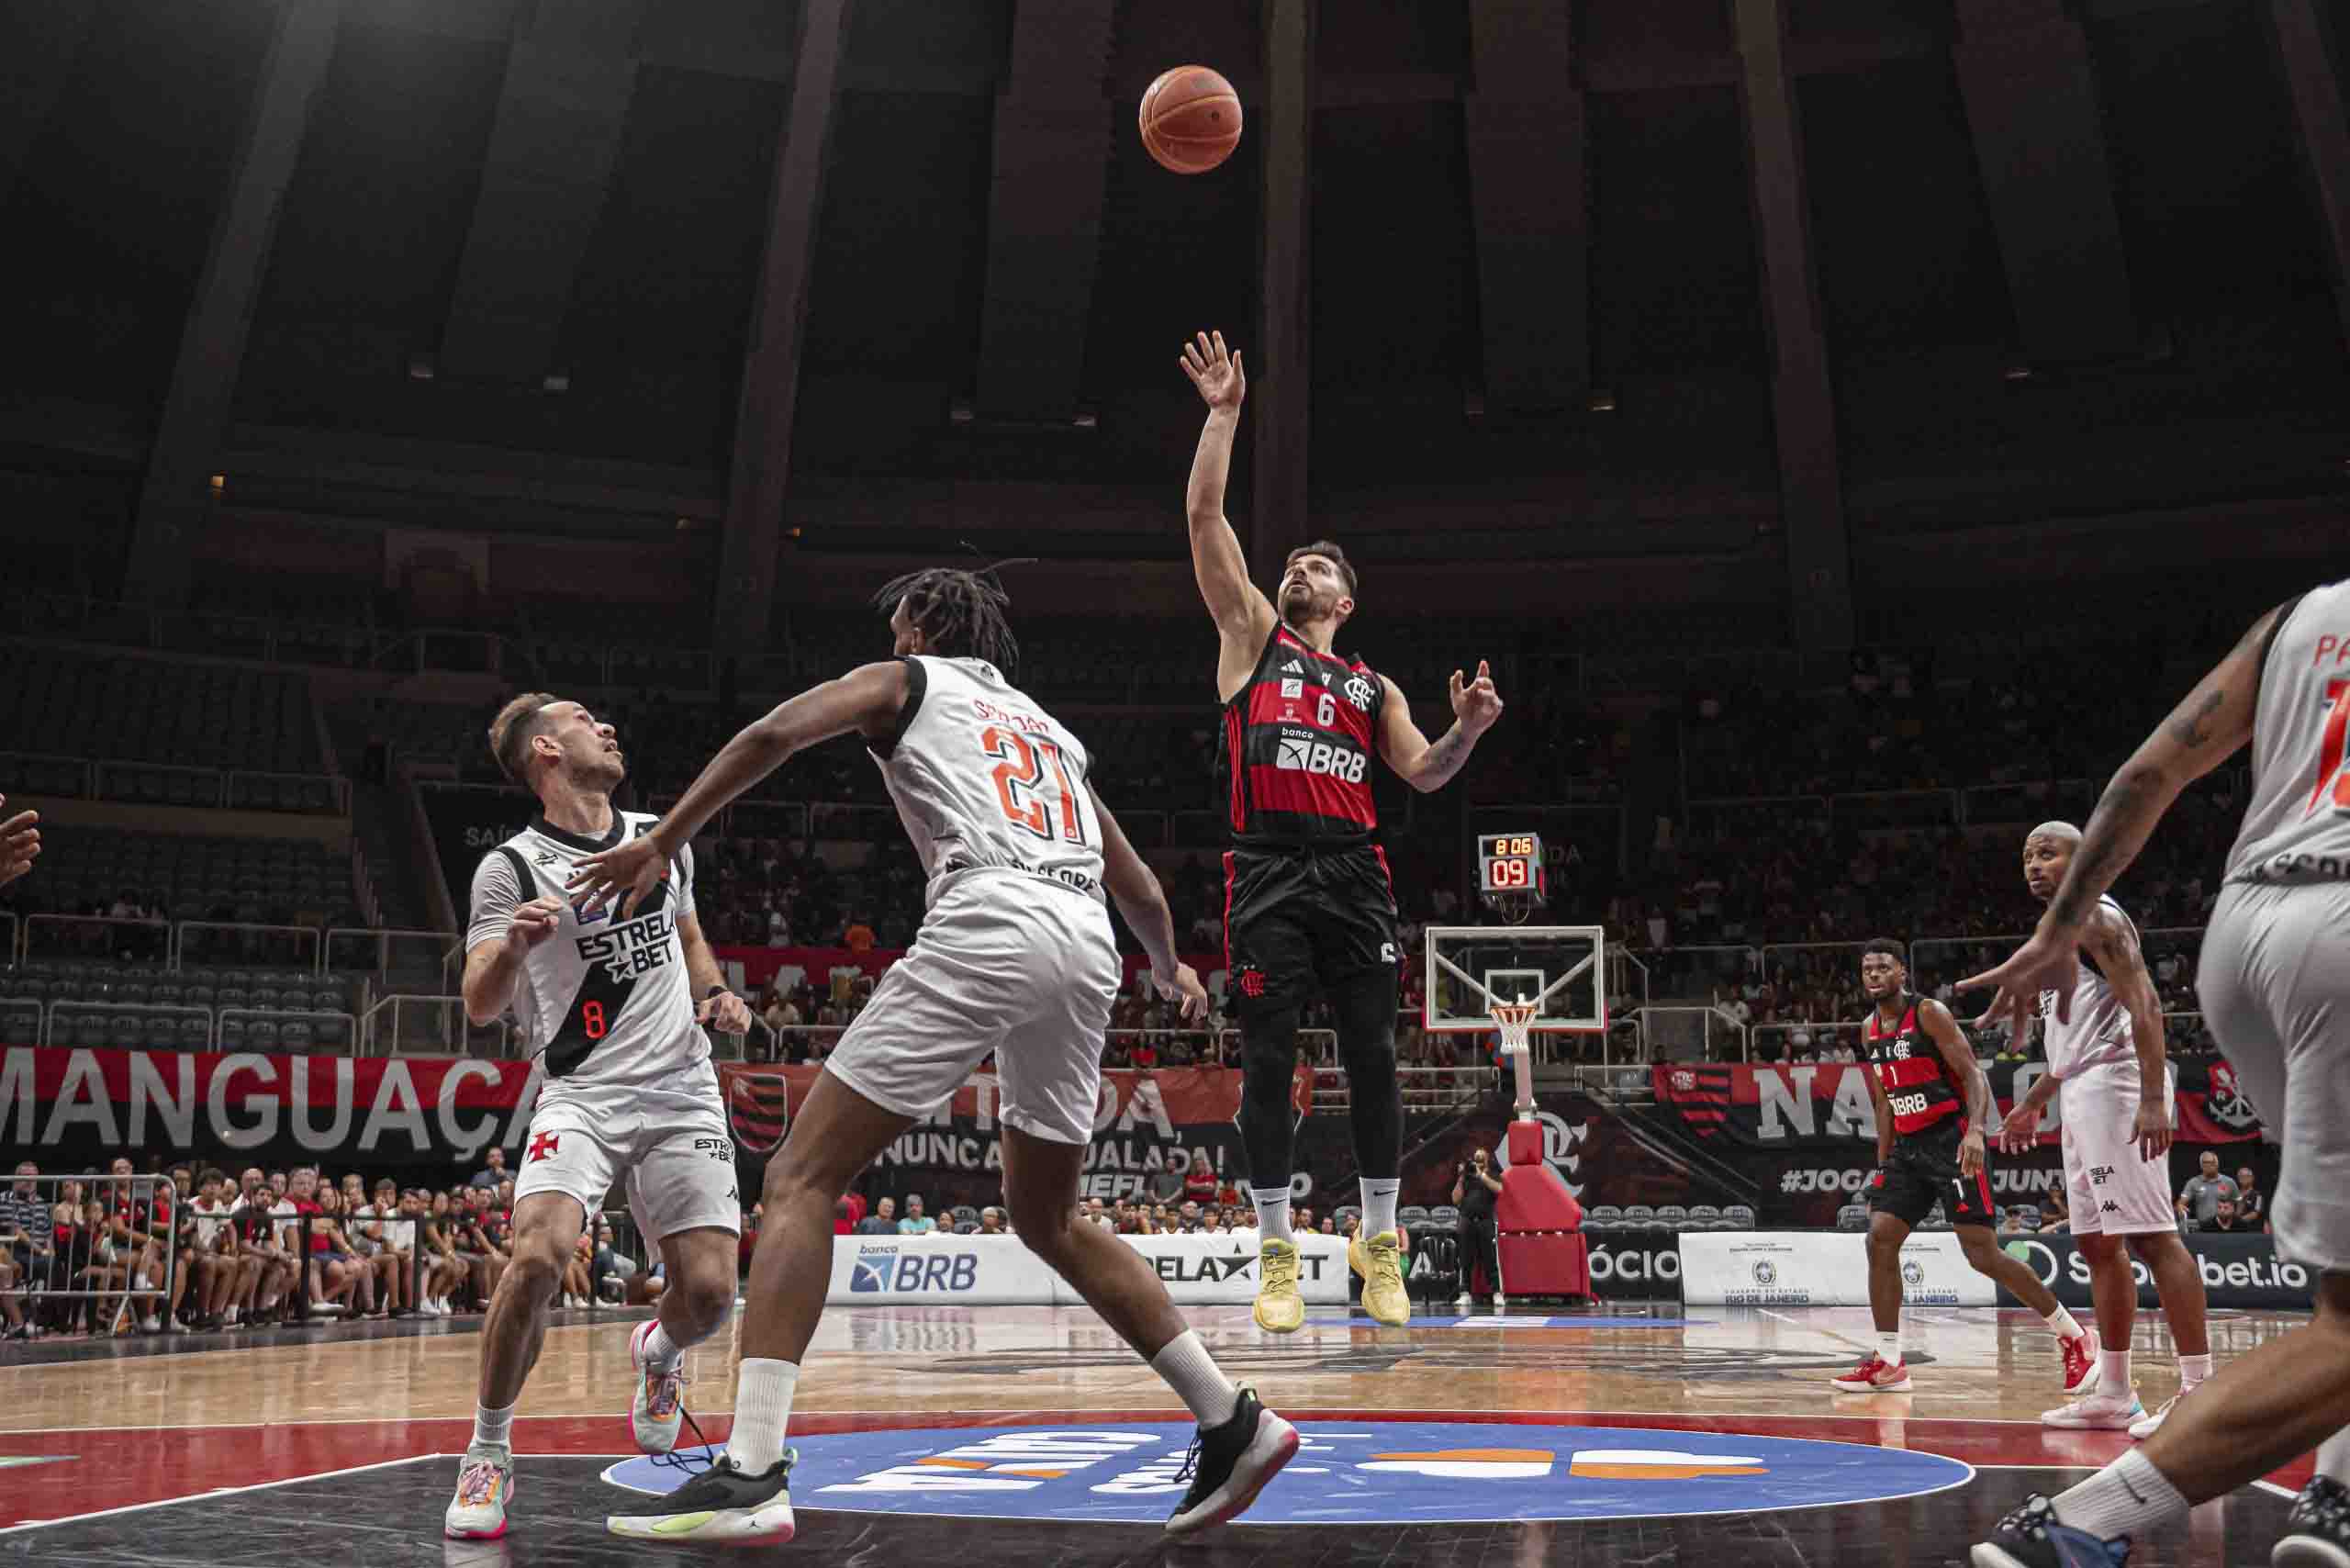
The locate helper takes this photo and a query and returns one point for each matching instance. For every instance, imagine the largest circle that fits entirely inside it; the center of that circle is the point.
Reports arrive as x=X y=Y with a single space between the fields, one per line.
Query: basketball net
x=1515 y=1022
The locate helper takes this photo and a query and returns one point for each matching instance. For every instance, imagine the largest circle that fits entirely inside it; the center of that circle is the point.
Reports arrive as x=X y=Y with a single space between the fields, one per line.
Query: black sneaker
x=721 y=1504
x=1228 y=1465
x=2317 y=1532
x=2030 y=1537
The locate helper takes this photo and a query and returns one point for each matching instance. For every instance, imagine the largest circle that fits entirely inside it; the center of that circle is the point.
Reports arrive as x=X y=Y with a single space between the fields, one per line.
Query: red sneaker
x=2080 y=1364
x=1874 y=1375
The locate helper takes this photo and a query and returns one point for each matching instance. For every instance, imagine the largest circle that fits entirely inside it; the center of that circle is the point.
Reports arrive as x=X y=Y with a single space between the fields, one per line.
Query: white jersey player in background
x=606 y=1007
x=2108 y=1063
x=2275 y=984
x=1015 y=957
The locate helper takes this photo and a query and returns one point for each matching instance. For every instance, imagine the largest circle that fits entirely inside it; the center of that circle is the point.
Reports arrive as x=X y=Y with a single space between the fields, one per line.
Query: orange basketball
x=1191 y=119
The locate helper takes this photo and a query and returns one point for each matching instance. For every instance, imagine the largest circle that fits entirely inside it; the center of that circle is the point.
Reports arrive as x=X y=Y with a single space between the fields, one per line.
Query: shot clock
x=1509 y=870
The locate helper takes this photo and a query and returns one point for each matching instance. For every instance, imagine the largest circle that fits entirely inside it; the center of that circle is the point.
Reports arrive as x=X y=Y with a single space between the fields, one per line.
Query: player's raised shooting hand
x=2050 y=961
x=19 y=843
x=535 y=922
x=626 y=871
x=1475 y=703
x=1218 y=375
x=1186 y=986
x=2151 y=1132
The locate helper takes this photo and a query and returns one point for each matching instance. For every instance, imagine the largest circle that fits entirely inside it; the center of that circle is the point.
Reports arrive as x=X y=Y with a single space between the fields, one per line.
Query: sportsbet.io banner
x=1826 y=1105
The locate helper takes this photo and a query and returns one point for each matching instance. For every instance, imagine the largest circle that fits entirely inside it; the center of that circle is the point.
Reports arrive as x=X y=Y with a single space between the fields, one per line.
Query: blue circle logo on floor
x=1360 y=1472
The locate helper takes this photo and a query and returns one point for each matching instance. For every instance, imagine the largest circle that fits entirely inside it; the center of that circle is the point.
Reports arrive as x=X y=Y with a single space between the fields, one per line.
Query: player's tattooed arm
x=2113 y=943
x=1428 y=765
x=1141 y=897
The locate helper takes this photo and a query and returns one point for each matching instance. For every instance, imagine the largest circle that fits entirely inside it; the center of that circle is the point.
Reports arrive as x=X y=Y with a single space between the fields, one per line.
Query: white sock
x=2113 y=1374
x=494 y=1426
x=761 y=1411
x=2127 y=1497
x=1272 y=1214
x=2193 y=1369
x=2061 y=1324
x=1888 y=1347
x=2334 y=1457
x=1197 y=1381
x=1378 y=1206
x=662 y=1354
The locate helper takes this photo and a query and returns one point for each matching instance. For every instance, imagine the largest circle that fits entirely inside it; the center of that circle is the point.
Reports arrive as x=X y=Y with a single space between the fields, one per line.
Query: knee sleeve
x=1366 y=1010
x=1268 y=1122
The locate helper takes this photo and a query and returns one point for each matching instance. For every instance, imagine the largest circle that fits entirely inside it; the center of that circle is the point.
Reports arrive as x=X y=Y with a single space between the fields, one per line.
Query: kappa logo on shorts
x=543 y=1144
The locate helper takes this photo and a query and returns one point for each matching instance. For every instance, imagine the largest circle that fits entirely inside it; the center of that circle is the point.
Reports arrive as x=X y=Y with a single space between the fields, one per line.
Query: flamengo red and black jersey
x=1917 y=1084
x=1298 y=739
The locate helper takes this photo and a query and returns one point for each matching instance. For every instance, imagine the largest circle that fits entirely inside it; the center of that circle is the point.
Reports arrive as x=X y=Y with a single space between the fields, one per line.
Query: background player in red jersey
x=1309 y=905
x=1933 y=1106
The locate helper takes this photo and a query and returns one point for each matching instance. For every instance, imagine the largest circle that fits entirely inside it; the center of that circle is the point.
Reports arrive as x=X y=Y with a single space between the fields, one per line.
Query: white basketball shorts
x=2275 y=983
x=672 y=1146
x=1007 y=963
x=2113 y=1191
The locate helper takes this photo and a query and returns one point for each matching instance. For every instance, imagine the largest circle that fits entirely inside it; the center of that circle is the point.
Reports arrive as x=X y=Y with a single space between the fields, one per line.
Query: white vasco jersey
x=2296 y=825
x=983 y=775
x=604 y=1003
x=2099 y=1033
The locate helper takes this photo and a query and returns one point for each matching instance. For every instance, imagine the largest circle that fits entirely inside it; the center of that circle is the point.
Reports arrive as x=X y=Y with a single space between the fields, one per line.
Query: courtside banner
x=1821 y=1105
x=1000 y=1271
x=2240 y=1269
x=1633 y=1265
x=1805 y=1268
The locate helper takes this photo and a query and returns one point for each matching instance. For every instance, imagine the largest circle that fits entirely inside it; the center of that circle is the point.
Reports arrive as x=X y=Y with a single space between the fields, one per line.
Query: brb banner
x=998 y=1270
x=2239 y=1271
x=1799 y=1269
x=1821 y=1104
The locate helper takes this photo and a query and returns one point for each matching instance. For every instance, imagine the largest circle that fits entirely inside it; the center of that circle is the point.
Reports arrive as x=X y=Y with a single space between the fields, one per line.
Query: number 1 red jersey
x=1298 y=741
x=1909 y=1066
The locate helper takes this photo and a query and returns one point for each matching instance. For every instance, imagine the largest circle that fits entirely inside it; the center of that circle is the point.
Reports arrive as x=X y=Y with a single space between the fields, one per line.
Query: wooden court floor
x=1621 y=1435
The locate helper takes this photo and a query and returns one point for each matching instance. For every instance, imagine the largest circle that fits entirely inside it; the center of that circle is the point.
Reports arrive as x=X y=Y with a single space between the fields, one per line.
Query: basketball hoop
x=1515 y=1022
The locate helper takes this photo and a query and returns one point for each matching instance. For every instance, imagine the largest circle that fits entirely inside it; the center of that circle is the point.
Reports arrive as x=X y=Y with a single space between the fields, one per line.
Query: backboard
x=1559 y=966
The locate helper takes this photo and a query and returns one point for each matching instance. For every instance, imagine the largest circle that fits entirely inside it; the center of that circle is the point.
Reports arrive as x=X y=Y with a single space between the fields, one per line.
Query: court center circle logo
x=1364 y=1471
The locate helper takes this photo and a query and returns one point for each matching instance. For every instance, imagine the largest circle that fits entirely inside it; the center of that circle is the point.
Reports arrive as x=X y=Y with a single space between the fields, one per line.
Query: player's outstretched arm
x=1958 y=1055
x=503 y=929
x=1143 y=902
x=2201 y=732
x=867 y=699
x=1243 y=615
x=1429 y=765
x=2113 y=943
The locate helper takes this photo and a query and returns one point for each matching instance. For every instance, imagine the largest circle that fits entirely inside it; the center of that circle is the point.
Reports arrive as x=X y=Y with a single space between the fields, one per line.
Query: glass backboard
x=1558 y=967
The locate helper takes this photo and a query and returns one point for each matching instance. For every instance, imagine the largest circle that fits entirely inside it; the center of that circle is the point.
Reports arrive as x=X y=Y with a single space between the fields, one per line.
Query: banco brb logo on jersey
x=1353 y=1471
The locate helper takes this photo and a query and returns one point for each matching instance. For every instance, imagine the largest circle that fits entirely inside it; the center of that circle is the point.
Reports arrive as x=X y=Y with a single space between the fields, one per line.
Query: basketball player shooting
x=2274 y=987
x=607 y=1005
x=1309 y=905
x=1015 y=957
x=1932 y=1105
x=19 y=843
x=2107 y=1062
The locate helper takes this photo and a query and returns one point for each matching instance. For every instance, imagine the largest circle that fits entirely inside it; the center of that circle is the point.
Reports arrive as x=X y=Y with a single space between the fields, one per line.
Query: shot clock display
x=1510 y=863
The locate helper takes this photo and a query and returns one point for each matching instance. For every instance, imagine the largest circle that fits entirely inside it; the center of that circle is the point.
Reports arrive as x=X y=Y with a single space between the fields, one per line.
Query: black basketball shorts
x=1923 y=1171
x=1296 y=921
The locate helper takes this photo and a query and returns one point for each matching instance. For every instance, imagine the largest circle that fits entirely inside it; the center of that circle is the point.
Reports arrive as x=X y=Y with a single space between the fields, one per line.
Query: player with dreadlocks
x=1016 y=956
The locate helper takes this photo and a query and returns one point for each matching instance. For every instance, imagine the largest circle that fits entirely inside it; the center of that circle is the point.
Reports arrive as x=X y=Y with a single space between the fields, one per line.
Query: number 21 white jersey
x=982 y=776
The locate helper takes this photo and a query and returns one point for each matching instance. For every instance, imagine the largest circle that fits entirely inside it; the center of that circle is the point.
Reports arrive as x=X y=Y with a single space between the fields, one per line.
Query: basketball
x=1191 y=119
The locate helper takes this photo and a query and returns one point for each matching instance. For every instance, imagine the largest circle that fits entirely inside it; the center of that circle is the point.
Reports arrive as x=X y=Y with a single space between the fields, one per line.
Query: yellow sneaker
x=1380 y=1261
x=1280 y=1308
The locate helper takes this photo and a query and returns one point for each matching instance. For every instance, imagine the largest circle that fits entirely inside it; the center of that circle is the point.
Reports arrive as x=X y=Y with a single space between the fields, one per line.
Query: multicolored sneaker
x=2317 y=1532
x=721 y=1504
x=2097 y=1412
x=1229 y=1464
x=2030 y=1537
x=2146 y=1428
x=2080 y=1364
x=1874 y=1375
x=485 y=1485
x=654 y=1415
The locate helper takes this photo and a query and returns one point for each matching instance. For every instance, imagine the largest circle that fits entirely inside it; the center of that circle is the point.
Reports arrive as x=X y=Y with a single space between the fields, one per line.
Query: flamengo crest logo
x=2225 y=1103
x=1358 y=691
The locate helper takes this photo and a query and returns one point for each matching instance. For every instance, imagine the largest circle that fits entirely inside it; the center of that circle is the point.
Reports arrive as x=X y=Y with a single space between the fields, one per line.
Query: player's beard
x=1302 y=606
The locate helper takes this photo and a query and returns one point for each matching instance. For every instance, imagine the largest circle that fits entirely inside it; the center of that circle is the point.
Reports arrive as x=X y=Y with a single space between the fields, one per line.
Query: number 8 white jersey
x=983 y=775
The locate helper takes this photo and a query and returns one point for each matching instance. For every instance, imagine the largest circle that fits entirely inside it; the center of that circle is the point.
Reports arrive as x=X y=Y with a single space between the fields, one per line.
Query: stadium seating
x=1607 y=1217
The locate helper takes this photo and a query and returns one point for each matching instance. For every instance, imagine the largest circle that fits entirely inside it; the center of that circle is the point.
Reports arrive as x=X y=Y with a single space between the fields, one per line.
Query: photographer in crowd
x=1474 y=1189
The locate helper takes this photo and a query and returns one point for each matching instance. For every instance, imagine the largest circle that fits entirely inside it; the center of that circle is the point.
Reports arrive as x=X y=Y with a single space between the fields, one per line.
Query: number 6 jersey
x=605 y=1002
x=982 y=776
